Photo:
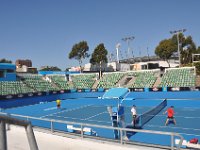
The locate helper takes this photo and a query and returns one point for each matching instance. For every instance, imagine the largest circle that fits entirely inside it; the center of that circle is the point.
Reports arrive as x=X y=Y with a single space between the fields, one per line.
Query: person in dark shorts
x=134 y=115
x=170 y=115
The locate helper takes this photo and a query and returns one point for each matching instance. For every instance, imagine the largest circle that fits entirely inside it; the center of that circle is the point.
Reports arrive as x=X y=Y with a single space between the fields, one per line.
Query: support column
x=31 y=138
x=3 y=138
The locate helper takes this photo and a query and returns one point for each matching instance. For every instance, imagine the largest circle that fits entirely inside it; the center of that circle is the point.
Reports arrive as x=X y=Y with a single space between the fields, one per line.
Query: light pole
x=177 y=32
x=128 y=39
x=117 y=49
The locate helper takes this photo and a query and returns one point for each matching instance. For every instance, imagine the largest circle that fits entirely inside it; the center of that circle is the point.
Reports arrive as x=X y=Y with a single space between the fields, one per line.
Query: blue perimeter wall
x=8 y=103
x=168 y=95
x=8 y=76
x=137 y=95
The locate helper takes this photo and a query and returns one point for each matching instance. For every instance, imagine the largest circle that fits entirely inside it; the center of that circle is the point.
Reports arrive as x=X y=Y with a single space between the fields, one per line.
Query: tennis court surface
x=94 y=111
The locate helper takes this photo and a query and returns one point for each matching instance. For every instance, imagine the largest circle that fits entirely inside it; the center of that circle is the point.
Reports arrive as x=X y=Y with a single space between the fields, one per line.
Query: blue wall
x=8 y=76
x=58 y=72
x=37 y=99
x=168 y=95
x=7 y=66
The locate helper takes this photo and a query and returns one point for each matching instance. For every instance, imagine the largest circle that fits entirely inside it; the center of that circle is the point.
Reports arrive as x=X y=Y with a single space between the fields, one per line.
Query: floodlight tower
x=128 y=39
x=117 y=49
x=177 y=32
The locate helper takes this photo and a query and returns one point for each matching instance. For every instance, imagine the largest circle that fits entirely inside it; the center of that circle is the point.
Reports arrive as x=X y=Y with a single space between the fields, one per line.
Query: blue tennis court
x=94 y=111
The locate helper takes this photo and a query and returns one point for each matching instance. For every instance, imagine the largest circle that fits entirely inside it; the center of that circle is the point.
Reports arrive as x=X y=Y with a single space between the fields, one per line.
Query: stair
x=122 y=81
x=158 y=81
x=197 y=82
x=131 y=82
x=95 y=84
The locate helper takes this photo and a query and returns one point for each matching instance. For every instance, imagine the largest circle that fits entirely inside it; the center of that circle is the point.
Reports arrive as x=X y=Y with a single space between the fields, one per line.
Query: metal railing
x=121 y=130
x=26 y=124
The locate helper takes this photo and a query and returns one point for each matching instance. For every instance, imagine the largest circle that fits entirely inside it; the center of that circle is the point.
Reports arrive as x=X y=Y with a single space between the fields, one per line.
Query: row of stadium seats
x=141 y=79
x=84 y=81
x=109 y=80
x=14 y=87
x=144 y=79
x=39 y=84
x=61 y=82
x=179 y=77
x=183 y=77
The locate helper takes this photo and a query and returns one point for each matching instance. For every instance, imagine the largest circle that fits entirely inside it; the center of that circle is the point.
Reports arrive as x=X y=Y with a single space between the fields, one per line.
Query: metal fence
x=26 y=124
x=121 y=130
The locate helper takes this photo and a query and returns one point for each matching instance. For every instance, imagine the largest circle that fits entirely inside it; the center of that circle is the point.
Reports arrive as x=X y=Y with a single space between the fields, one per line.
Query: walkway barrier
x=28 y=127
x=122 y=139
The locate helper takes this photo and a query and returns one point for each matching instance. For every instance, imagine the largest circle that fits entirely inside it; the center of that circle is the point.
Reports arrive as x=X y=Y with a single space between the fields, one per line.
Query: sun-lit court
x=87 y=111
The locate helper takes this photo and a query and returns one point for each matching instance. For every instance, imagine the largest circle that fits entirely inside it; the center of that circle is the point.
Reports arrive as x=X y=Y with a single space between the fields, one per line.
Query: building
x=153 y=65
x=19 y=63
x=107 y=67
x=25 y=66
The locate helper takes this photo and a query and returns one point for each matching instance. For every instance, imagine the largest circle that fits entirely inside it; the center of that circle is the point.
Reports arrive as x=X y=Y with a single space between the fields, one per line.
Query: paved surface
x=17 y=140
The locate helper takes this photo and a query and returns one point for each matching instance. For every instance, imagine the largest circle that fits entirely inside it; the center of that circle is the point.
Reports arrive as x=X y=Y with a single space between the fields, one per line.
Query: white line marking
x=96 y=115
x=178 y=127
x=50 y=108
x=82 y=119
x=67 y=110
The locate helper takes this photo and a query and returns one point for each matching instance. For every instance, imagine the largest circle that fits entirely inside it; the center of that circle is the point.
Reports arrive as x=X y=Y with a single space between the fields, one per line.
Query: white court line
x=186 y=117
x=68 y=118
x=96 y=115
x=172 y=127
x=83 y=119
x=67 y=110
x=50 y=108
x=189 y=134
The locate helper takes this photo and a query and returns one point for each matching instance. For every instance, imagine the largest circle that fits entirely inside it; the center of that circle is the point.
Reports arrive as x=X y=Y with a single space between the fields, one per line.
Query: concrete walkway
x=17 y=140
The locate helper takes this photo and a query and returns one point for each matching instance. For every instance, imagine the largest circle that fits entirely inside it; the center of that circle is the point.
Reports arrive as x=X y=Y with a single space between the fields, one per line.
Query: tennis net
x=147 y=116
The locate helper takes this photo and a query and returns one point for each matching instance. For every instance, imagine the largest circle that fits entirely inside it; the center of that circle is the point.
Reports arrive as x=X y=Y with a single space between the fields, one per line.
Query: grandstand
x=144 y=79
x=181 y=77
x=14 y=87
x=84 y=81
x=110 y=80
x=37 y=83
x=33 y=83
x=61 y=82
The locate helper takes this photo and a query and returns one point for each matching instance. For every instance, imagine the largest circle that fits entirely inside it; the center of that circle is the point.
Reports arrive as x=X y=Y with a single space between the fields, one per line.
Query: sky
x=45 y=31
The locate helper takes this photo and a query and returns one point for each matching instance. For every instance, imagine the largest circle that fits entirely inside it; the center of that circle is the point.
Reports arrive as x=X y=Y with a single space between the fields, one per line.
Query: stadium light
x=177 y=32
x=128 y=39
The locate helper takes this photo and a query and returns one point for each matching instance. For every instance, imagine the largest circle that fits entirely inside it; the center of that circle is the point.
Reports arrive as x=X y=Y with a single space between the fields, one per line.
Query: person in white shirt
x=134 y=115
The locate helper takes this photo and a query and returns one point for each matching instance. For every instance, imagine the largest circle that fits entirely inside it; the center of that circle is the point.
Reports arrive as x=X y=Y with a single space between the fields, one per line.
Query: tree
x=165 y=49
x=187 y=47
x=198 y=50
x=5 y=61
x=79 y=52
x=197 y=65
x=99 y=55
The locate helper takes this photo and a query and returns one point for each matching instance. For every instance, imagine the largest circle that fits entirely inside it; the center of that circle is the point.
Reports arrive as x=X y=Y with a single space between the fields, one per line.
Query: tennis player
x=58 y=103
x=170 y=115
